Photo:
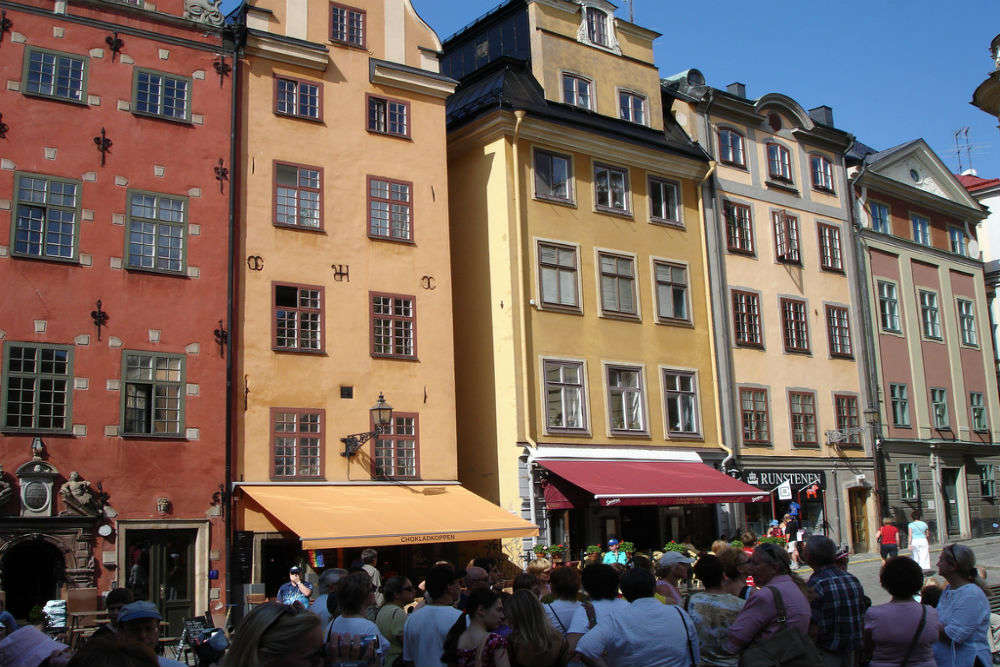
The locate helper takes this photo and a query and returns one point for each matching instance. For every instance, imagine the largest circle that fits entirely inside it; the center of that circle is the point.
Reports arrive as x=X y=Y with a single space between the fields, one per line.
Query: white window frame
x=666 y=393
x=780 y=175
x=578 y=306
x=627 y=198
x=885 y=304
x=607 y=367
x=740 y=150
x=632 y=96
x=939 y=397
x=825 y=172
x=618 y=254
x=988 y=481
x=583 y=32
x=978 y=419
x=963 y=240
x=570 y=181
x=930 y=314
x=668 y=319
x=909 y=486
x=675 y=217
x=577 y=79
x=966 y=309
x=888 y=217
x=902 y=399
x=924 y=235
x=584 y=428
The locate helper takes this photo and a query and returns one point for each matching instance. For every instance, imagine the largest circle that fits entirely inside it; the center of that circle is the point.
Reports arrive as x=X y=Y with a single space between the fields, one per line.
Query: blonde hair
x=268 y=633
x=539 y=565
x=719 y=546
x=530 y=628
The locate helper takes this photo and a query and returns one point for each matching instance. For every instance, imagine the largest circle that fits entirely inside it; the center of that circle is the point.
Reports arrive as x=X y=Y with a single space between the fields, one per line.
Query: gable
x=917 y=166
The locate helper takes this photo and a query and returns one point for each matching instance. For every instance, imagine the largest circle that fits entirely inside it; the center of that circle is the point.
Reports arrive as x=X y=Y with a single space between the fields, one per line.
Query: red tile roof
x=974 y=183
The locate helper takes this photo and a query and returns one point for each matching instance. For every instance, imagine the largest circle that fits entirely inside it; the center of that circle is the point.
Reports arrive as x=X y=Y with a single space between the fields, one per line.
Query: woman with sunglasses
x=963 y=610
x=391 y=617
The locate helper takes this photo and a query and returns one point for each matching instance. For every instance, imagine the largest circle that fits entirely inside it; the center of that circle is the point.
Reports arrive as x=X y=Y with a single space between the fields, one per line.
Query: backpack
x=787 y=647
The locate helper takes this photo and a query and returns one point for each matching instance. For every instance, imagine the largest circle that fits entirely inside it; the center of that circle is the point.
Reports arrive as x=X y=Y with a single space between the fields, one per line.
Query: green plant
x=674 y=546
x=628 y=547
x=557 y=550
x=540 y=549
x=736 y=543
x=773 y=540
x=594 y=549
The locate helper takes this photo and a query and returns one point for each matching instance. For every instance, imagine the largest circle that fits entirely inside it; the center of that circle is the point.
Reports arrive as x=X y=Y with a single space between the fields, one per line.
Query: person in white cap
x=672 y=568
x=140 y=622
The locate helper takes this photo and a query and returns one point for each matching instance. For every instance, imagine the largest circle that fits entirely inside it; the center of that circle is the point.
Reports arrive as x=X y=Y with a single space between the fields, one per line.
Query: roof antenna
x=958 y=148
x=631 y=11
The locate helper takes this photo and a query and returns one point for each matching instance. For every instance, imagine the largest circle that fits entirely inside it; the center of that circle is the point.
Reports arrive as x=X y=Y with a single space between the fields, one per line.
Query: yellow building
x=791 y=344
x=345 y=295
x=583 y=332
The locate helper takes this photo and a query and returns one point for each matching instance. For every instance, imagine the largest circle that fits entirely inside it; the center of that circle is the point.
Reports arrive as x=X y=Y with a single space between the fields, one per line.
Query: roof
x=861 y=152
x=508 y=83
x=974 y=183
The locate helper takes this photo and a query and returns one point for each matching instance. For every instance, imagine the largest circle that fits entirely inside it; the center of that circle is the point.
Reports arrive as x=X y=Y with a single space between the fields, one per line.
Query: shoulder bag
x=787 y=647
x=916 y=637
x=687 y=634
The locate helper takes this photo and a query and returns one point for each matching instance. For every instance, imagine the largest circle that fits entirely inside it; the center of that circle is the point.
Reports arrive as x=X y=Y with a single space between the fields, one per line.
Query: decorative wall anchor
x=100 y=318
x=341 y=272
x=246 y=391
x=221 y=338
x=115 y=44
x=222 y=68
x=3 y=128
x=203 y=11
x=255 y=263
x=221 y=174
x=428 y=282
x=5 y=24
x=103 y=145
x=163 y=505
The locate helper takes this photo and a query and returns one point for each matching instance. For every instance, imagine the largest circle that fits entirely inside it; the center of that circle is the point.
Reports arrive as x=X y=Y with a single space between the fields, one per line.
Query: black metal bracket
x=221 y=174
x=114 y=43
x=255 y=263
x=246 y=392
x=5 y=24
x=354 y=441
x=100 y=318
x=222 y=68
x=104 y=145
x=341 y=272
x=221 y=338
x=3 y=126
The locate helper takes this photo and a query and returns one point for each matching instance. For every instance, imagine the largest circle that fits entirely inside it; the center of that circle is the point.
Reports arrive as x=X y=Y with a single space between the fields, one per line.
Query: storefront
x=789 y=492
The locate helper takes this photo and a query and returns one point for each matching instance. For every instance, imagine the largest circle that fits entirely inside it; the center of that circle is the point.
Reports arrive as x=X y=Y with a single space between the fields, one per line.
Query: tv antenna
x=631 y=11
x=963 y=144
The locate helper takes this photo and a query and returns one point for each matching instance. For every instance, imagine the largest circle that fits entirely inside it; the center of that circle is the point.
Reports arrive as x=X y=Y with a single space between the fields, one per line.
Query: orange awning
x=331 y=517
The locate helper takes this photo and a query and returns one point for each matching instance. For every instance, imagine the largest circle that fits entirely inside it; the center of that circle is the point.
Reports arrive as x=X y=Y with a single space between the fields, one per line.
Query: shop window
x=909 y=485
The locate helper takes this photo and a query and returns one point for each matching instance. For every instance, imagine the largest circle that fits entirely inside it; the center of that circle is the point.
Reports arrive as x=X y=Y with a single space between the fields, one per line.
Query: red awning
x=653 y=483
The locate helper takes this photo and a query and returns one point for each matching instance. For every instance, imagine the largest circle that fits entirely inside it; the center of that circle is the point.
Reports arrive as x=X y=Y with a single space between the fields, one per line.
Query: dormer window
x=597 y=26
x=779 y=163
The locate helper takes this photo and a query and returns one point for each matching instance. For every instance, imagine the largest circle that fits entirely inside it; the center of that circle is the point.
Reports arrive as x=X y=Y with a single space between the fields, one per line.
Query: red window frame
x=348 y=10
x=739 y=231
x=801 y=417
x=826 y=170
x=371 y=122
x=838 y=327
x=830 y=248
x=741 y=143
x=394 y=438
x=302 y=310
x=794 y=313
x=297 y=434
x=393 y=319
x=299 y=82
x=390 y=203
x=763 y=417
x=746 y=319
x=845 y=407
x=787 y=237
x=297 y=188
x=777 y=168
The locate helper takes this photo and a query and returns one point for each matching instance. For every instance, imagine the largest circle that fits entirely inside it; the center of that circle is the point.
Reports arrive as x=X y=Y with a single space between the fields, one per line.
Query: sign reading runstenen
x=769 y=479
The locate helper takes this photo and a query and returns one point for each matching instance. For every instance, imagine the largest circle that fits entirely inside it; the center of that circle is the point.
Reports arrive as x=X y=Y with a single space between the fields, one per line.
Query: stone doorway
x=33 y=573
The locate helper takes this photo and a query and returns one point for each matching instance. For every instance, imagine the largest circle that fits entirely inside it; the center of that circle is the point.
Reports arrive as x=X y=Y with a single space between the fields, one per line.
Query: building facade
x=585 y=366
x=781 y=267
x=930 y=331
x=345 y=295
x=114 y=265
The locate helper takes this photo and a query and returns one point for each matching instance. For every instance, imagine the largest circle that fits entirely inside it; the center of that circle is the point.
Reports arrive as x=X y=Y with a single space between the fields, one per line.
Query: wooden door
x=161 y=570
x=857 y=498
x=949 y=494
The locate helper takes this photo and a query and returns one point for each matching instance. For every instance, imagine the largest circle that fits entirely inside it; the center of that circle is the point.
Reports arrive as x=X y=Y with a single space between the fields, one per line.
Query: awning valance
x=651 y=483
x=327 y=517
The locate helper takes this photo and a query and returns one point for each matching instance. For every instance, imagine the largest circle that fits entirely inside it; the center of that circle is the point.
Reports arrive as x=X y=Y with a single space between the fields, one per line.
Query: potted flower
x=780 y=541
x=674 y=546
x=593 y=553
x=540 y=550
x=736 y=544
x=628 y=548
x=556 y=552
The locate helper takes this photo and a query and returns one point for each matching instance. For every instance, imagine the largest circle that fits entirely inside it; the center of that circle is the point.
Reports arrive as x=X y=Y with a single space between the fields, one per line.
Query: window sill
x=734 y=165
x=750 y=346
x=685 y=437
x=804 y=353
x=932 y=339
x=906 y=427
x=174 y=437
x=805 y=445
x=578 y=432
x=759 y=443
x=11 y=430
x=630 y=434
x=621 y=317
x=970 y=346
x=55 y=98
x=291 y=350
x=831 y=269
x=75 y=261
x=569 y=203
x=617 y=212
x=789 y=262
x=787 y=187
x=390 y=239
x=299 y=228
x=156 y=272
x=556 y=308
x=888 y=332
x=350 y=45
x=187 y=122
x=395 y=357
x=845 y=357
x=672 y=224
x=404 y=137
x=671 y=322
x=826 y=191
x=318 y=121
x=744 y=253
x=298 y=479
x=393 y=478
x=850 y=446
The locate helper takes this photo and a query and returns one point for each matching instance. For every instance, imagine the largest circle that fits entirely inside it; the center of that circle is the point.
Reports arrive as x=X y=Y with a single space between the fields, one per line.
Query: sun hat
x=612 y=542
x=673 y=558
x=135 y=611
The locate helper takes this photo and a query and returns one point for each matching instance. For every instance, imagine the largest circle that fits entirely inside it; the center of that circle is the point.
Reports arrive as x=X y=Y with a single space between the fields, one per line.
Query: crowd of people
x=749 y=609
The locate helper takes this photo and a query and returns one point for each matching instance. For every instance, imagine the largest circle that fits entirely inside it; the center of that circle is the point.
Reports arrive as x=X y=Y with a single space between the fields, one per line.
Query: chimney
x=822 y=115
x=738 y=89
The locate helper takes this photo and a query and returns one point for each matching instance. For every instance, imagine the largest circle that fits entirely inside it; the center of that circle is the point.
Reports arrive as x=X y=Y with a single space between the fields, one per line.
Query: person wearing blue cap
x=140 y=622
x=295 y=589
x=613 y=555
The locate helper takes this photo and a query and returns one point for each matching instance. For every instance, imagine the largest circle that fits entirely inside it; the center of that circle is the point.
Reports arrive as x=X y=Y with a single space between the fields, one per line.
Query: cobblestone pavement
x=866 y=566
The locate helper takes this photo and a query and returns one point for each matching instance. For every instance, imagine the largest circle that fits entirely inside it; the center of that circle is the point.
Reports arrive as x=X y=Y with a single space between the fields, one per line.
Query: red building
x=114 y=231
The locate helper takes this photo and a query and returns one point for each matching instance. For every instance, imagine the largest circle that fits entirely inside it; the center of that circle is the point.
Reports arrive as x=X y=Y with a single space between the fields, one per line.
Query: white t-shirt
x=646 y=633
x=603 y=609
x=357 y=626
x=318 y=607
x=561 y=612
x=424 y=633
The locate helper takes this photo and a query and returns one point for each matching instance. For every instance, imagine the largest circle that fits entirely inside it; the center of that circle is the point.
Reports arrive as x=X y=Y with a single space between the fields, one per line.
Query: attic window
x=775 y=121
x=597 y=26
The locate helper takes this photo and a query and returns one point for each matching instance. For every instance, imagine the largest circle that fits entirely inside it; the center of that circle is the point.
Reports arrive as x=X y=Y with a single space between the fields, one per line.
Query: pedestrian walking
x=391 y=618
x=296 y=589
x=791 y=527
x=565 y=586
x=472 y=640
x=838 y=604
x=645 y=632
x=600 y=582
x=715 y=609
x=916 y=538
x=427 y=627
x=356 y=597
x=533 y=642
x=325 y=604
x=888 y=539
x=672 y=568
x=963 y=610
x=900 y=633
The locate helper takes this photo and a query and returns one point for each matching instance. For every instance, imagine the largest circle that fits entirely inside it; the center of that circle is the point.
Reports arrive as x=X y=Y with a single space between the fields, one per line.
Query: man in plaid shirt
x=839 y=606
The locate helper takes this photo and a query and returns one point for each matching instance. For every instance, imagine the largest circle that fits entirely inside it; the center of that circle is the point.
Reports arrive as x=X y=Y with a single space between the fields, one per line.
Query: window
x=45 y=220
x=36 y=385
x=597 y=26
x=900 y=400
x=681 y=395
x=617 y=285
x=153 y=400
x=988 y=480
x=553 y=174
x=297 y=443
x=822 y=173
x=671 y=291
x=394 y=326
x=795 y=329
x=632 y=107
x=779 y=163
x=880 y=217
x=739 y=228
x=576 y=91
x=298 y=318
x=786 y=237
x=611 y=188
x=396 y=450
x=297 y=195
x=564 y=395
x=347 y=25
x=830 y=256
x=846 y=408
x=157 y=231
x=888 y=306
x=967 y=321
x=839 y=330
x=977 y=410
x=294 y=97
x=390 y=209
x=909 y=487
x=753 y=410
x=663 y=201
x=62 y=76
x=387 y=116
x=930 y=315
x=921 y=229
x=162 y=95
x=939 y=408
x=746 y=319
x=802 y=408
x=625 y=396
x=731 y=148
x=958 y=240
x=558 y=273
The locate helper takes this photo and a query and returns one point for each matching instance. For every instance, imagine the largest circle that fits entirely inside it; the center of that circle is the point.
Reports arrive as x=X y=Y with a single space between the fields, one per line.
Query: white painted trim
x=585 y=383
x=395 y=30
x=611 y=453
x=236 y=485
x=292 y=54
x=297 y=18
x=411 y=81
